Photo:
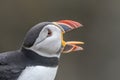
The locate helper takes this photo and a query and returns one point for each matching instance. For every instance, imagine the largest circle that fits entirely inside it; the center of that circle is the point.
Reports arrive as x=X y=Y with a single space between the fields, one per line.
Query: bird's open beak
x=65 y=26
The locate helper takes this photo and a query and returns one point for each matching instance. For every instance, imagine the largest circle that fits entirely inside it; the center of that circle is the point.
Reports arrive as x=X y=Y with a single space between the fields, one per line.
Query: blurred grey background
x=100 y=59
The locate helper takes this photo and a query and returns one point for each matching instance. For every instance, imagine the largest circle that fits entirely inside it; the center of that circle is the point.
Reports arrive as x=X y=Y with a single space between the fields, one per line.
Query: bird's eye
x=49 y=33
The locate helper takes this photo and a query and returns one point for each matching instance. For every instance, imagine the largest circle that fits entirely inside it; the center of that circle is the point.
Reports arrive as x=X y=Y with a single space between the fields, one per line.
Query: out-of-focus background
x=100 y=59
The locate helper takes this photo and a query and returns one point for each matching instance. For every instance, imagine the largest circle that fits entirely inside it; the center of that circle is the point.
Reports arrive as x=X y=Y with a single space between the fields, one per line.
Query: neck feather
x=36 y=59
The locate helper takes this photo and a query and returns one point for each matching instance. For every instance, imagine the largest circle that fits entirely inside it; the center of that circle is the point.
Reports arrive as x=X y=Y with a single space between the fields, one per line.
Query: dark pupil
x=49 y=33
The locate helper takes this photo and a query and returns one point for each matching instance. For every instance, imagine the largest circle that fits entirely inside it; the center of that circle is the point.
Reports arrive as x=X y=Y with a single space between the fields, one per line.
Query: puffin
x=39 y=55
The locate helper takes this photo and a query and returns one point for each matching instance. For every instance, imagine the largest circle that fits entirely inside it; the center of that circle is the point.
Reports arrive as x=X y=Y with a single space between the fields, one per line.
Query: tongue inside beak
x=72 y=46
x=65 y=26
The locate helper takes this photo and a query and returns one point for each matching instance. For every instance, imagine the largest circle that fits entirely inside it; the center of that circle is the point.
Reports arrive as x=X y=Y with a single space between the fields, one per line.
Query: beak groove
x=69 y=25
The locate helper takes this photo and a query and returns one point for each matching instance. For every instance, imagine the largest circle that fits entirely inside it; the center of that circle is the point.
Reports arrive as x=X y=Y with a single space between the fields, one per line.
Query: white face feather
x=48 y=45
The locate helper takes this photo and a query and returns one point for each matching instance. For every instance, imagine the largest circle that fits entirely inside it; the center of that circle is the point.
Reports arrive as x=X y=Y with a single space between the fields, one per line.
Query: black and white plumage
x=39 y=55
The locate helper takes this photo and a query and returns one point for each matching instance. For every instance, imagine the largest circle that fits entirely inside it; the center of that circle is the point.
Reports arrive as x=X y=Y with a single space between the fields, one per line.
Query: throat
x=35 y=59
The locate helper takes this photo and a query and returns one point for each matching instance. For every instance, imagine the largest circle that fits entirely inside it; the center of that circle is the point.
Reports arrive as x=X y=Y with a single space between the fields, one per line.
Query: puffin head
x=46 y=38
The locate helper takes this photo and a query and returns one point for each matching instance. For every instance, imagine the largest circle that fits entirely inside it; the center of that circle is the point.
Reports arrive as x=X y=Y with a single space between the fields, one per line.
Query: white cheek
x=49 y=46
x=54 y=42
